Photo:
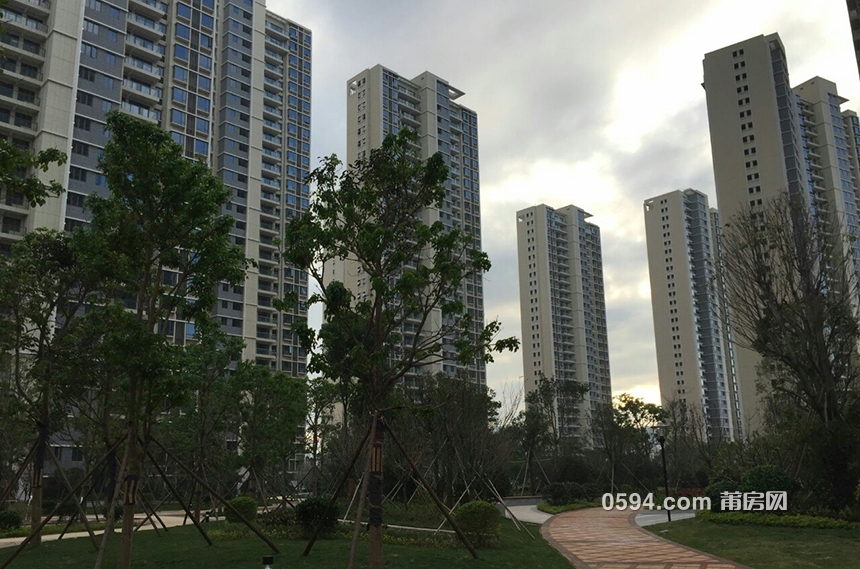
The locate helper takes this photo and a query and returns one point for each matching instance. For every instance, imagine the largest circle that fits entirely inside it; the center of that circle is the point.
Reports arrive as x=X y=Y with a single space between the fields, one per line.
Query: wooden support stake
x=81 y=511
x=337 y=490
x=176 y=494
x=53 y=513
x=433 y=495
x=227 y=504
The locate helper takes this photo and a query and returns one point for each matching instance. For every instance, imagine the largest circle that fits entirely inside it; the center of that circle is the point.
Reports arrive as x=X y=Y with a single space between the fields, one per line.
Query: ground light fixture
x=268 y=561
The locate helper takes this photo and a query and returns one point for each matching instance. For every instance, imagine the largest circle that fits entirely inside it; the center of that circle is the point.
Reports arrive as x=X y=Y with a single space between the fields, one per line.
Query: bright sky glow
x=596 y=104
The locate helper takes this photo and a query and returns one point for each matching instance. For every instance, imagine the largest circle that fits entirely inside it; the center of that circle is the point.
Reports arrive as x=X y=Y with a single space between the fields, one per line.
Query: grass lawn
x=183 y=547
x=768 y=547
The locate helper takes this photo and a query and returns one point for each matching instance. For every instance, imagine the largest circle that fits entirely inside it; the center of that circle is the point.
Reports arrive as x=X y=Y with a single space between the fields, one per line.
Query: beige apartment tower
x=562 y=306
x=768 y=138
x=382 y=102
x=694 y=356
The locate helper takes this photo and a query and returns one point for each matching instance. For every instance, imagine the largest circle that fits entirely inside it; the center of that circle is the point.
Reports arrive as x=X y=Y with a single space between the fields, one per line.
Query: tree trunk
x=38 y=467
x=375 y=495
x=129 y=490
x=198 y=493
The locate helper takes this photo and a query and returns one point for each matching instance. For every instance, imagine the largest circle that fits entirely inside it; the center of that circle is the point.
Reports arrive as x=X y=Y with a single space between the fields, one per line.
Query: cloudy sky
x=596 y=103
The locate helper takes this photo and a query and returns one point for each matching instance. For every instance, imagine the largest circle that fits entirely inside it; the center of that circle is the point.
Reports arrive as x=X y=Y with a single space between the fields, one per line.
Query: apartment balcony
x=273 y=96
x=143 y=69
x=272 y=139
x=27 y=78
x=275 y=154
x=266 y=350
x=409 y=120
x=19 y=125
x=272 y=126
x=15 y=99
x=409 y=95
x=272 y=112
x=154 y=9
x=267 y=318
x=153 y=95
x=38 y=8
x=153 y=115
x=12 y=232
x=274 y=55
x=277 y=70
x=274 y=83
x=23 y=49
x=26 y=23
x=15 y=204
x=270 y=196
x=275 y=44
x=145 y=49
x=147 y=27
x=272 y=213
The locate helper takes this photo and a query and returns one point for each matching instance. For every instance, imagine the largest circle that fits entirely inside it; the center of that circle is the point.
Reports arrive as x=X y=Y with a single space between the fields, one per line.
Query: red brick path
x=597 y=539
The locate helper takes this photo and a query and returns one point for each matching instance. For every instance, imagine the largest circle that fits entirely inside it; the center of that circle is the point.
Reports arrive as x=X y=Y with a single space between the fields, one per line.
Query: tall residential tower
x=228 y=79
x=382 y=102
x=694 y=356
x=562 y=306
x=768 y=138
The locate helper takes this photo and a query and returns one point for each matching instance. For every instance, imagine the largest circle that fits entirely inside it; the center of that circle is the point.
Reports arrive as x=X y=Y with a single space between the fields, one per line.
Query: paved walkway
x=597 y=539
x=171 y=519
x=528 y=514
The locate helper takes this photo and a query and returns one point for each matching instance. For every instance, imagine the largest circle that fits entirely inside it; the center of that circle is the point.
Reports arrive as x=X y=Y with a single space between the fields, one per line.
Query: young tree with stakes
x=371 y=213
x=162 y=217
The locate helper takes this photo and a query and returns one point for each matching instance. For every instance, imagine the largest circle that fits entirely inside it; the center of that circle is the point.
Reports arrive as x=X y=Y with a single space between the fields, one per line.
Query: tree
x=271 y=408
x=547 y=422
x=18 y=179
x=322 y=397
x=42 y=286
x=163 y=247
x=372 y=214
x=20 y=183
x=197 y=430
x=793 y=294
x=624 y=433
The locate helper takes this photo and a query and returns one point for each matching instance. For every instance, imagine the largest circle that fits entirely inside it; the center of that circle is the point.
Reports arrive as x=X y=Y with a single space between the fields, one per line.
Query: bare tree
x=793 y=296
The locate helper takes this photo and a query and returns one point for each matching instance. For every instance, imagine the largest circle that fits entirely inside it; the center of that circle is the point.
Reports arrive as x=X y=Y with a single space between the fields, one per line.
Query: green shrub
x=556 y=494
x=245 y=505
x=715 y=491
x=478 y=519
x=773 y=520
x=625 y=489
x=278 y=518
x=765 y=479
x=857 y=493
x=10 y=519
x=67 y=511
x=592 y=491
x=117 y=511
x=310 y=512
x=561 y=493
x=229 y=532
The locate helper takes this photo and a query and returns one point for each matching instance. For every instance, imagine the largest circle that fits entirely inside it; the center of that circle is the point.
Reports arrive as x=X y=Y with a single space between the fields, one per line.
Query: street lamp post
x=662 y=440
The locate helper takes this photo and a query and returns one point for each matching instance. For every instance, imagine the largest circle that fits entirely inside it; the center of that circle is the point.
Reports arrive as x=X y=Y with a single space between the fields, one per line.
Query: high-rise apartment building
x=694 y=356
x=854 y=21
x=382 y=102
x=562 y=306
x=231 y=82
x=768 y=138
